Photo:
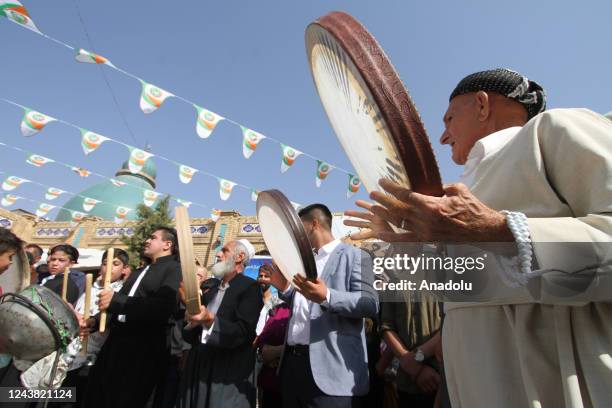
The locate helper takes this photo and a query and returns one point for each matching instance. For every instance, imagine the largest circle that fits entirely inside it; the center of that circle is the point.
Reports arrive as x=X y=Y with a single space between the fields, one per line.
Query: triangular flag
x=184 y=202
x=152 y=97
x=254 y=195
x=353 y=185
x=186 y=173
x=289 y=156
x=14 y=11
x=250 y=140
x=323 y=170
x=38 y=161
x=76 y=216
x=9 y=199
x=207 y=121
x=12 y=182
x=225 y=188
x=117 y=183
x=150 y=197
x=33 y=122
x=120 y=214
x=52 y=193
x=80 y=171
x=91 y=141
x=215 y=214
x=89 y=203
x=91 y=58
x=43 y=209
x=138 y=158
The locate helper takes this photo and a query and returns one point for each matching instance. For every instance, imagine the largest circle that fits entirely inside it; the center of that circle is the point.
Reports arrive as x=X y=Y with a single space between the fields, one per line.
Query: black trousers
x=299 y=389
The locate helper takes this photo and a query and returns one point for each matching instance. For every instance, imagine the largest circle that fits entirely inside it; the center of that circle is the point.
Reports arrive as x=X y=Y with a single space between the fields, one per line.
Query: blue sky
x=247 y=61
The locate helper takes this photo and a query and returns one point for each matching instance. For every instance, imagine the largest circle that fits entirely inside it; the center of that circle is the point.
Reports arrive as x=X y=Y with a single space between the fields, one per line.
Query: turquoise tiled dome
x=112 y=196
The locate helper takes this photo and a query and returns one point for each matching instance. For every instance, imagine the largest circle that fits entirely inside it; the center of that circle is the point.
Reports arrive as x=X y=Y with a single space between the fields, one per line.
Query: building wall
x=208 y=235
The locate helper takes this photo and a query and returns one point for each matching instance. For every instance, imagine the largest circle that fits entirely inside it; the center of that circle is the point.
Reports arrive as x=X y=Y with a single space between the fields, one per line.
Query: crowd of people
x=531 y=177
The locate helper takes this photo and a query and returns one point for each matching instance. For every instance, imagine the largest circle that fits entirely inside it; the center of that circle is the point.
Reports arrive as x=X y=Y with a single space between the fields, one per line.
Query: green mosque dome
x=112 y=195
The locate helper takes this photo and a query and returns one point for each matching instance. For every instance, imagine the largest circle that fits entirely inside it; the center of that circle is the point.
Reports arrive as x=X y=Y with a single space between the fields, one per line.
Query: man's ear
x=484 y=105
x=315 y=223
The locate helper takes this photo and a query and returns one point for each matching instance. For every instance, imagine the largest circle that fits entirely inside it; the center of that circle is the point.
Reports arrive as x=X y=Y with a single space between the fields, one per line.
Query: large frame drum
x=34 y=323
x=369 y=108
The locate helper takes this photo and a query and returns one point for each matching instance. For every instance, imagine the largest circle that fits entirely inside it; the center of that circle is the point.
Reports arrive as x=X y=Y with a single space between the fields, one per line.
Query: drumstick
x=88 y=281
x=110 y=257
x=65 y=284
x=188 y=267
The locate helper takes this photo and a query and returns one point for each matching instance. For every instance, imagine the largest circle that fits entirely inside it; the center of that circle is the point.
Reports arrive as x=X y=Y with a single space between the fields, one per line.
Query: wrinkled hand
x=271 y=354
x=370 y=224
x=204 y=318
x=104 y=299
x=277 y=279
x=313 y=290
x=428 y=380
x=458 y=216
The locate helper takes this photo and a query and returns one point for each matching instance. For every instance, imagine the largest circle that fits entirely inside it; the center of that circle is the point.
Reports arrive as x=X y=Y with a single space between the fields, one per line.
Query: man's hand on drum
x=104 y=299
x=313 y=290
x=458 y=216
x=370 y=225
x=277 y=279
x=204 y=318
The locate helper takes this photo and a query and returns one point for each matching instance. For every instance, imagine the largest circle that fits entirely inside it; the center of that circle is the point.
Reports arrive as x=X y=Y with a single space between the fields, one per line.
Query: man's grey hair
x=238 y=248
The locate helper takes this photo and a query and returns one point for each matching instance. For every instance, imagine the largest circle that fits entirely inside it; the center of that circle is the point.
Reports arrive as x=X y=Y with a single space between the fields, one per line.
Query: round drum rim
x=297 y=228
x=391 y=97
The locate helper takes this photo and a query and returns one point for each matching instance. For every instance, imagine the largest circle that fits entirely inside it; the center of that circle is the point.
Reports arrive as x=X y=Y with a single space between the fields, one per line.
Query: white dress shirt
x=213 y=307
x=299 y=324
x=121 y=318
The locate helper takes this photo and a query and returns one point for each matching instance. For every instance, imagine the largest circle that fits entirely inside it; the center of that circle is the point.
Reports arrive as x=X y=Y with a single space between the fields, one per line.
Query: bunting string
x=35 y=121
x=149 y=196
x=152 y=97
x=12 y=182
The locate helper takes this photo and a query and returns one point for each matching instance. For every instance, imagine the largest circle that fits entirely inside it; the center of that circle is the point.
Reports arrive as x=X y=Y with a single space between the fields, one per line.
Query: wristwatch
x=419 y=356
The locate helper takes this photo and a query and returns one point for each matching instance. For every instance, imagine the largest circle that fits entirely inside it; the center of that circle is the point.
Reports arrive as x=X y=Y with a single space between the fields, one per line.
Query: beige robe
x=557 y=352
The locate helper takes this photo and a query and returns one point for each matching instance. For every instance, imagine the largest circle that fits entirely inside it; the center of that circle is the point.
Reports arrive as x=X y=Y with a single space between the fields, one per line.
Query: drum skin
x=390 y=96
x=292 y=227
x=27 y=336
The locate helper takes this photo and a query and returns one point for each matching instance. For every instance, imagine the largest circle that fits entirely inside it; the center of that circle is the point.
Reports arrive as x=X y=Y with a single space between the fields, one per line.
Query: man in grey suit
x=324 y=362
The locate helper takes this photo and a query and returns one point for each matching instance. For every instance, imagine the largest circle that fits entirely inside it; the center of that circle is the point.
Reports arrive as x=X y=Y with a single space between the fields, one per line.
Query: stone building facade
x=95 y=233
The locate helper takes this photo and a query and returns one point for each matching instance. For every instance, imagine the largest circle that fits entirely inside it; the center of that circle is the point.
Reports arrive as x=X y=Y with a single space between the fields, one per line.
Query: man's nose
x=444 y=139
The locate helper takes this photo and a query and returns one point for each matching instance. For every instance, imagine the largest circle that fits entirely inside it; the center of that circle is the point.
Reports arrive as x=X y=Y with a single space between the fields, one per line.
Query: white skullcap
x=248 y=246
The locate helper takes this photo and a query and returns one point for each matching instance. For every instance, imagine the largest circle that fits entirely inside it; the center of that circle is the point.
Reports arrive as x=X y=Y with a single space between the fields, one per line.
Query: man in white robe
x=535 y=346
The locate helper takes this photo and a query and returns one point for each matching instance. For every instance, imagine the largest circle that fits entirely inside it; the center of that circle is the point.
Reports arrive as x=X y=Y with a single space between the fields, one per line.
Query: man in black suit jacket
x=136 y=354
x=220 y=367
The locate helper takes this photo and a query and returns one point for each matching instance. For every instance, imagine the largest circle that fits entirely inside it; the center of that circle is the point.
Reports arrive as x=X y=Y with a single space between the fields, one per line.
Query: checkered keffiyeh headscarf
x=508 y=83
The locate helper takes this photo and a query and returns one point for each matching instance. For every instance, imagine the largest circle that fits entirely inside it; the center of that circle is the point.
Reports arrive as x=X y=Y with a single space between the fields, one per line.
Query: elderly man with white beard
x=220 y=366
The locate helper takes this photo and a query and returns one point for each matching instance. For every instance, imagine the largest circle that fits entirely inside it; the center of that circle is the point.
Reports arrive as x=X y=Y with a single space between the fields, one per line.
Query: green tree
x=148 y=220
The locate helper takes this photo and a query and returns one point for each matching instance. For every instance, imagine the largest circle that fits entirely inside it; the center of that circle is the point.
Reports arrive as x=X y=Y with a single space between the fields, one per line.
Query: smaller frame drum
x=284 y=235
